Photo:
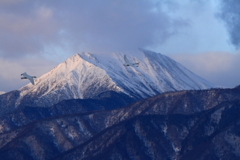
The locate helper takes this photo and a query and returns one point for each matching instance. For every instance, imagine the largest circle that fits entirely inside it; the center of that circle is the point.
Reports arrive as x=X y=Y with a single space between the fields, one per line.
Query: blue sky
x=202 y=35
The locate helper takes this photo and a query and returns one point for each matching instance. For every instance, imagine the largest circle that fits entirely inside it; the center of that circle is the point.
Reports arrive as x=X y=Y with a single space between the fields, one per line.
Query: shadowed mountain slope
x=175 y=125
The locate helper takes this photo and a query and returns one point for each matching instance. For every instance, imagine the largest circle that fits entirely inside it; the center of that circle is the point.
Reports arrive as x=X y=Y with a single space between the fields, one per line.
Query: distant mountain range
x=86 y=75
x=182 y=125
x=92 y=107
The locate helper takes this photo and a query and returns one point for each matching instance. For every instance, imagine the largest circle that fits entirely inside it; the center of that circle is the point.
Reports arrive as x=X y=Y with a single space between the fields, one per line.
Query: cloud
x=230 y=14
x=26 y=29
x=220 y=68
x=57 y=29
x=10 y=2
x=204 y=32
x=34 y=27
x=106 y=26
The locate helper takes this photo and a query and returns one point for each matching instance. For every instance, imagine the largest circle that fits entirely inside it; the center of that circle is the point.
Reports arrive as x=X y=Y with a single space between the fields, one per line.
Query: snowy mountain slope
x=86 y=75
x=156 y=73
x=1 y=92
x=74 y=78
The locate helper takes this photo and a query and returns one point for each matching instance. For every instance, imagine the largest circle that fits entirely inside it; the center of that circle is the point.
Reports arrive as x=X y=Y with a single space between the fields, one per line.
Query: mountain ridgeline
x=182 y=125
x=86 y=75
x=92 y=107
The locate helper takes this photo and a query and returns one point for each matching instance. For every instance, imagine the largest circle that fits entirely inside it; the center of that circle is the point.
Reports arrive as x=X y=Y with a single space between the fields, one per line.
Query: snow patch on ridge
x=1 y=92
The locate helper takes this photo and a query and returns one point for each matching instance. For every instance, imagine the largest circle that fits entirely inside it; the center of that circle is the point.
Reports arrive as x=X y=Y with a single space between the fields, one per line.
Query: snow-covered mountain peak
x=157 y=72
x=85 y=75
x=73 y=78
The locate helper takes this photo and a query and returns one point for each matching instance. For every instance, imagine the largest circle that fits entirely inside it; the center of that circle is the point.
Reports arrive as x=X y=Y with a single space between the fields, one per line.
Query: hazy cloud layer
x=36 y=27
x=230 y=13
x=26 y=28
x=220 y=68
x=65 y=27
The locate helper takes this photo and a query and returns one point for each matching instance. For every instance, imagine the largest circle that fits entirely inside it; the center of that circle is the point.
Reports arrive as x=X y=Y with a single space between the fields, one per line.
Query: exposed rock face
x=182 y=125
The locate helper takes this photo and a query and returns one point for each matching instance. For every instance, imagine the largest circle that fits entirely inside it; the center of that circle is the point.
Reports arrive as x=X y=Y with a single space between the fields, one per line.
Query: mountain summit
x=86 y=75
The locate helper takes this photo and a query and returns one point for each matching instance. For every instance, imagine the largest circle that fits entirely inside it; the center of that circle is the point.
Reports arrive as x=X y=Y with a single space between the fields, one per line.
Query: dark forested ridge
x=183 y=125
